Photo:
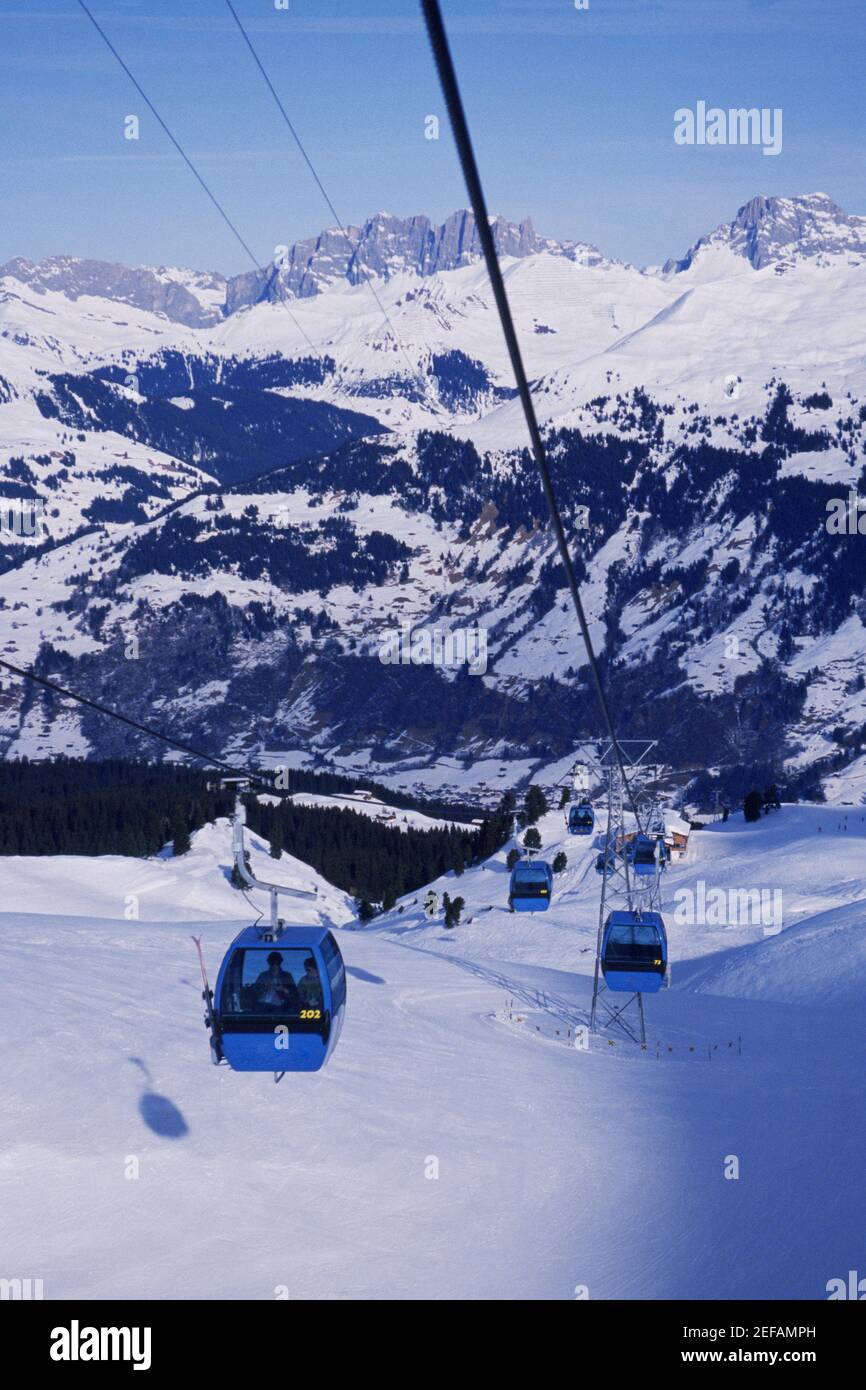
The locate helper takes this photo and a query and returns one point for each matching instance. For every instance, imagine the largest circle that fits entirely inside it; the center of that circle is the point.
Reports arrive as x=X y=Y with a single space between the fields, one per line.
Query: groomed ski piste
x=459 y=1145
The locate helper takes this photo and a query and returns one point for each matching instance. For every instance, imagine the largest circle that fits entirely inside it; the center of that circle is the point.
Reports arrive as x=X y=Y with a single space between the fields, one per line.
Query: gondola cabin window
x=335 y=968
x=273 y=981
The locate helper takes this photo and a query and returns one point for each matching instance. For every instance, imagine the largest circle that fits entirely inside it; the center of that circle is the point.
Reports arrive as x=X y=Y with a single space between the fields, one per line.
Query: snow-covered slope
x=458 y=1146
x=396 y=817
x=196 y=888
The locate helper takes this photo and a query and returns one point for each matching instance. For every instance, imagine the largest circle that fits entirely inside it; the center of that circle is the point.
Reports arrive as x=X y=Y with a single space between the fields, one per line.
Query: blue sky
x=572 y=114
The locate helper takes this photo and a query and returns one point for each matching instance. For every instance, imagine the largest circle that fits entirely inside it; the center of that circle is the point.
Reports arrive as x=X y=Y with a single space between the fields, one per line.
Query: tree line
x=110 y=806
x=136 y=808
x=375 y=863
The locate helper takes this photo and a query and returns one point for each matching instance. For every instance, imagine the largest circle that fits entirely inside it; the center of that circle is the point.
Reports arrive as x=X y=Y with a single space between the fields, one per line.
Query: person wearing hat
x=310 y=986
x=275 y=988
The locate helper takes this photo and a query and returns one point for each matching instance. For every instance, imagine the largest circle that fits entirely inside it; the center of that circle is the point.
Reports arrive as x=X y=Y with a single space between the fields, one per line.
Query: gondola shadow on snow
x=158 y=1112
x=357 y=973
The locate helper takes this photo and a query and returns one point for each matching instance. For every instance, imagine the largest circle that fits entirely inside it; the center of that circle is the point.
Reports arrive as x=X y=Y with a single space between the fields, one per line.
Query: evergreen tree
x=536 y=805
x=365 y=910
x=130 y=807
x=276 y=840
x=564 y=799
x=771 y=798
x=453 y=910
x=235 y=879
x=512 y=858
x=752 y=806
x=560 y=862
x=532 y=839
x=180 y=841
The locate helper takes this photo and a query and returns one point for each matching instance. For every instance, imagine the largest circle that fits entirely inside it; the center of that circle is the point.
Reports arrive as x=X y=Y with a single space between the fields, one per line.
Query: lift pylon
x=622 y=888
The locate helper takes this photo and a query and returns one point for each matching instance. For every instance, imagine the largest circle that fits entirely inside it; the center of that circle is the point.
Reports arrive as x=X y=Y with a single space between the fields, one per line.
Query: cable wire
x=463 y=141
x=454 y=103
x=355 y=249
x=188 y=162
x=134 y=724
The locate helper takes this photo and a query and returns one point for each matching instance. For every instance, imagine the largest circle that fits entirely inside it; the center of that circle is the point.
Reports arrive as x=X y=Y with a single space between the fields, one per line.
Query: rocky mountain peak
x=386 y=246
x=782 y=231
x=190 y=297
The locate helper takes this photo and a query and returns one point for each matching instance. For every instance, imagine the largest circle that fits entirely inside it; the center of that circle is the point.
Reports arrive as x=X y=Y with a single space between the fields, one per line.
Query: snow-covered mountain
x=783 y=232
x=387 y=246
x=194 y=298
x=263 y=500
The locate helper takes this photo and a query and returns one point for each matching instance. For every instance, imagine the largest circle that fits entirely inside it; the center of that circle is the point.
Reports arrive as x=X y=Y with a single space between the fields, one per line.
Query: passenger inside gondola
x=286 y=987
x=275 y=987
x=261 y=981
x=581 y=819
x=310 y=985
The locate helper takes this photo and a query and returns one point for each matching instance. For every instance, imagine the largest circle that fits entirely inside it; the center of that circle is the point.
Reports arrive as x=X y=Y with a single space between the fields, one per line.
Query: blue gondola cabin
x=280 y=1001
x=634 y=952
x=531 y=886
x=643 y=855
x=581 y=819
